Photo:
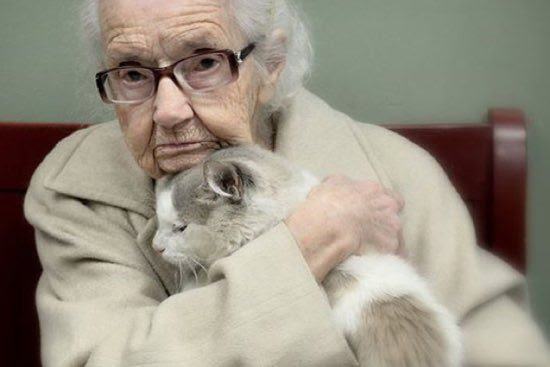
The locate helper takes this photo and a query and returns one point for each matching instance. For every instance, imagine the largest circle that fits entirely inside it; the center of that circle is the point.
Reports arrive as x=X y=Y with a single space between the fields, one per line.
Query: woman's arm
x=100 y=302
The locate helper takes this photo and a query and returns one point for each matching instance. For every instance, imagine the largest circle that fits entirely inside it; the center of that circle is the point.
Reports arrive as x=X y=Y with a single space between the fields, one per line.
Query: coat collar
x=322 y=140
x=100 y=168
x=310 y=133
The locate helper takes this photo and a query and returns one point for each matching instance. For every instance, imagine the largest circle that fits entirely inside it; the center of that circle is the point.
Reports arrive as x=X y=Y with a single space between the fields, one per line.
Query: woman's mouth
x=171 y=150
x=173 y=158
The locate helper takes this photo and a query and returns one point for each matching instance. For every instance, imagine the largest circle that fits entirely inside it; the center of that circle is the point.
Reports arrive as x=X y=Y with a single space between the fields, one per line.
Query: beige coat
x=107 y=299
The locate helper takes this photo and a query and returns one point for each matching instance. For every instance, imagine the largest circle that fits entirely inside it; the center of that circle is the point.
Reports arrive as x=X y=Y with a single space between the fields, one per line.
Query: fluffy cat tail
x=390 y=317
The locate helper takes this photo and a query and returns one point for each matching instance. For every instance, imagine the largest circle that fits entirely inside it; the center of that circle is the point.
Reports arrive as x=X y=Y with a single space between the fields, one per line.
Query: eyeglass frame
x=235 y=58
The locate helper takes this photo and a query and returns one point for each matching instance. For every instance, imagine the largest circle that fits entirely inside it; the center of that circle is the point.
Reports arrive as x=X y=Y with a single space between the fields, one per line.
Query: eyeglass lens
x=199 y=73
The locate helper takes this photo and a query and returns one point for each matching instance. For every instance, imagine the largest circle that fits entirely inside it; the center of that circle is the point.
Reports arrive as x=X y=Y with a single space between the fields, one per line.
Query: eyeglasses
x=202 y=72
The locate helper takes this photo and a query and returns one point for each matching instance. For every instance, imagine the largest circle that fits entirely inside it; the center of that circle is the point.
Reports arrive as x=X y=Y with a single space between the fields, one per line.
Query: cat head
x=212 y=209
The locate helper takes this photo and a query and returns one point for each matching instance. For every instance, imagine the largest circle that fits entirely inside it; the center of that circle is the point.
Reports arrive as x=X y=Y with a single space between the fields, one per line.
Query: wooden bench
x=486 y=162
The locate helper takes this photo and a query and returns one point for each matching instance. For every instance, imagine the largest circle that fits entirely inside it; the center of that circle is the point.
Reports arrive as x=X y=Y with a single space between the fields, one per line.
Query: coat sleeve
x=100 y=302
x=487 y=296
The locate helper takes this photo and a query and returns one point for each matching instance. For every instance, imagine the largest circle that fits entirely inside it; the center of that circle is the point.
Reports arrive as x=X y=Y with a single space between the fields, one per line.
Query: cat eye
x=179 y=228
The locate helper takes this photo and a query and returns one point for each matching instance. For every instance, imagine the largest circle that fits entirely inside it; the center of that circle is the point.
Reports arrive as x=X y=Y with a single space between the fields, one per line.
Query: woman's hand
x=341 y=217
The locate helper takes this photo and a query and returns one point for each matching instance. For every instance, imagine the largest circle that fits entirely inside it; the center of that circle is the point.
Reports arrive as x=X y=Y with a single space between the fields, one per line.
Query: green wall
x=377 y=60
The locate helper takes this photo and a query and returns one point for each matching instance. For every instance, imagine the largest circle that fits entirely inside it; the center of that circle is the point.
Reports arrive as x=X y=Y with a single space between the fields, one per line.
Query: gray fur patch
x=400 y=332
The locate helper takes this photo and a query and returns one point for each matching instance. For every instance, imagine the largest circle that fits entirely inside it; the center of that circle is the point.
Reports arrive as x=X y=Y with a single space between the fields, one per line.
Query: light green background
x=377 y=60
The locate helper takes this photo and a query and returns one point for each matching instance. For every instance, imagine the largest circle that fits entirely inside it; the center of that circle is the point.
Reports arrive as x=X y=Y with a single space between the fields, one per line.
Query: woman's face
x=175 y=130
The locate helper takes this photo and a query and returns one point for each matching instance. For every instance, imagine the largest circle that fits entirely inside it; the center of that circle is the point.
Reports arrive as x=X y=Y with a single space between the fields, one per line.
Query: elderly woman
x=188 y=77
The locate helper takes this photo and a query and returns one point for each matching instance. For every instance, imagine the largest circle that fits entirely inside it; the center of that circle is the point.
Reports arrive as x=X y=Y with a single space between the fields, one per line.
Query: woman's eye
x=133 y=76
x=206 y=64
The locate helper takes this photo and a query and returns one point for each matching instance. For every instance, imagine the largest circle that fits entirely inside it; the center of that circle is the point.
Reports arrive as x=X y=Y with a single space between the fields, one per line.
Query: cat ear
x=224 y=179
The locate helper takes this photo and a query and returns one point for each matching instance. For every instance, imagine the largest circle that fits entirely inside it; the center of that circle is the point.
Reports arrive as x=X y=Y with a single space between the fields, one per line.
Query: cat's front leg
x=389 y=317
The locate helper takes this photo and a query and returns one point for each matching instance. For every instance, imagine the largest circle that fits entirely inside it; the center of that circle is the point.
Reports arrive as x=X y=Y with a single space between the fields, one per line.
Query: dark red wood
x=465 y=152
x=22 y=148
x=486 y=163
x=509 y=185
x=19 y=274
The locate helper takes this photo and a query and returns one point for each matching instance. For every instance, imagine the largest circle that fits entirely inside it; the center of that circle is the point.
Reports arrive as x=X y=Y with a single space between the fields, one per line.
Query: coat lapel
x=102 y=169
x=112 y=176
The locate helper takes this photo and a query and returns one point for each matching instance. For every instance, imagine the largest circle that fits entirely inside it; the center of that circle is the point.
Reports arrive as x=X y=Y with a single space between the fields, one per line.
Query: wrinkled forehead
x=153 y=29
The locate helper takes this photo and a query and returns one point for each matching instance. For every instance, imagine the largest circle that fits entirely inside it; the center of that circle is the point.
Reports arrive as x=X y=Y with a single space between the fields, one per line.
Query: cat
x=384 y=309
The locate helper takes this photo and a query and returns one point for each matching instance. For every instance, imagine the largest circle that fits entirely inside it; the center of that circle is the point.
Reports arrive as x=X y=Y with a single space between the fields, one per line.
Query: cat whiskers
x=198 y=263
x=187 y=263
x=193 y=270
x=180 y=275
x=184 y=265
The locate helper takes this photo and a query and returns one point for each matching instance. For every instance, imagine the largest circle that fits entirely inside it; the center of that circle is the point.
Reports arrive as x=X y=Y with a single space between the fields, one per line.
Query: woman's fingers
x=342 y=216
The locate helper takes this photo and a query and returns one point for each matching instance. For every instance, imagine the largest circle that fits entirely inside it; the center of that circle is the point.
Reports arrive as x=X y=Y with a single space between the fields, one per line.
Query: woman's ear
x=274 y=66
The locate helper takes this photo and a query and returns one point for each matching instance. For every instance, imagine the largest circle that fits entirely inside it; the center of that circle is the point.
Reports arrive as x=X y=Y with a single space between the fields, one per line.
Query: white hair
x=258 y=20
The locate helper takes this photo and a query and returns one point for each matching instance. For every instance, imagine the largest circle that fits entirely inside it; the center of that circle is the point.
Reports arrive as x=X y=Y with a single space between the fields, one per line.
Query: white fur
x=167 y=217
x=284 y=202
x=165 y=208
x=299 y=190
x=308 y=182
x=381 y=278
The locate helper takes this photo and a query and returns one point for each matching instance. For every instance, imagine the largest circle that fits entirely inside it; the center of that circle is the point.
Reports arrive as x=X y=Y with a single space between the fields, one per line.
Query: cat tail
x=390 y=318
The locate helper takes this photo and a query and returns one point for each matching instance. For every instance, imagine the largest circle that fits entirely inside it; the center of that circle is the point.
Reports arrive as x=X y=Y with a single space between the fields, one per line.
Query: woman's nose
x=171 y=107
